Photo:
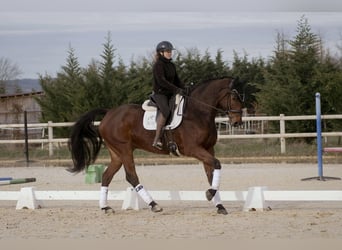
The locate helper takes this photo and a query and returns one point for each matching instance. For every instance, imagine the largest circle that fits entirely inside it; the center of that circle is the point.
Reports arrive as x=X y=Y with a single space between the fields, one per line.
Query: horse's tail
x=85 y=141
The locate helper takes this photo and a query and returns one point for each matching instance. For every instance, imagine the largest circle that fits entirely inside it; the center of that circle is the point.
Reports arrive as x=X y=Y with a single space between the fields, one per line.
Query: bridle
x=229 y=101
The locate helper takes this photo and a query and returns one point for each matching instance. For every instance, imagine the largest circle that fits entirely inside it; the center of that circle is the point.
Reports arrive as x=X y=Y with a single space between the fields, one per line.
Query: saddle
x=150 y=114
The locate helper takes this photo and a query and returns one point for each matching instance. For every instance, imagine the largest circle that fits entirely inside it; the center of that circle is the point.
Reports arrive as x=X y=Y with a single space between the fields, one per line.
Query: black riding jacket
x=165 y=77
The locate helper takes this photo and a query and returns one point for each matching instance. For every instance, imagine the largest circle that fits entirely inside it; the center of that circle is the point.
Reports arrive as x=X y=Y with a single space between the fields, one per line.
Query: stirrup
x=158 y=145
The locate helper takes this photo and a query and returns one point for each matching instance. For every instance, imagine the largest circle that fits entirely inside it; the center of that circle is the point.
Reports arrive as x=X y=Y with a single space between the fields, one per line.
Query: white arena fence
x=254 y=199
x=256 y=124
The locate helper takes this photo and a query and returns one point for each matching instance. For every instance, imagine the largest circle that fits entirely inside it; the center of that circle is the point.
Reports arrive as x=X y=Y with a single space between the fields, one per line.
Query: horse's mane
x=205 y=82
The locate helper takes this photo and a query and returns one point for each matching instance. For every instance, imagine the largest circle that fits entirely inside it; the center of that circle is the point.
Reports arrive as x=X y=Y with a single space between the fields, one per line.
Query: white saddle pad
x=149 y=120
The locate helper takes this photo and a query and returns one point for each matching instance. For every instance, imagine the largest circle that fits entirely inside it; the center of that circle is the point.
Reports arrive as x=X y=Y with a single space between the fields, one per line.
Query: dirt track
x=179 y=220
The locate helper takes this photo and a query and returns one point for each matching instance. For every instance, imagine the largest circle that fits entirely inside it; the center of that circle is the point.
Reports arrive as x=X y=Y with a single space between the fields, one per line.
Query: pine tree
x=273 y=97
x=291 y=78
x=195 y=68
x=107 y=73
x=139 y=82
x=63 y=94
x=93 y=86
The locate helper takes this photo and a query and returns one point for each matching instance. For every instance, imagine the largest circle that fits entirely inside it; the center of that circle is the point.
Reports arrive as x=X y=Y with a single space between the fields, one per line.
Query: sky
x=37 y=34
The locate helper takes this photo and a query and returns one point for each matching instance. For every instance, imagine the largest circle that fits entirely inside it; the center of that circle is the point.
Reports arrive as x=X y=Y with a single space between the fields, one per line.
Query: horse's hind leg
x=133 y=179
x=107 y=177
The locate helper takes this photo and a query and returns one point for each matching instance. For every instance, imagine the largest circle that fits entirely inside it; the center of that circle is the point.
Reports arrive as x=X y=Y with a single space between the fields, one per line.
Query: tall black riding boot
x=157 y=142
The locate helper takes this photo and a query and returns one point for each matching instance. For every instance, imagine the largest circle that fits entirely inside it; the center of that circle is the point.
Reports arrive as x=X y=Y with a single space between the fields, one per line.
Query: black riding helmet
x=164 y=45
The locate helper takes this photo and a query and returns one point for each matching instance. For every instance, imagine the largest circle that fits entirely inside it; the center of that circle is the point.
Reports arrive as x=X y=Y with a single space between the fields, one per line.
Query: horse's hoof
x=155 y=207
x=221 y=209
x=108 y=210
x=210 y=193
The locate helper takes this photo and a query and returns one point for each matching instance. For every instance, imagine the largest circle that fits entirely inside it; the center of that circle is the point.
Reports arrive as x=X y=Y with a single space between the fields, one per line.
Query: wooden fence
x=252 y=128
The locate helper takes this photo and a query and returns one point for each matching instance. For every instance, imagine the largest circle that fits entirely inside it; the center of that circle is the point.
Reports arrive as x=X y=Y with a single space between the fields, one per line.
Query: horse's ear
x=233 y=82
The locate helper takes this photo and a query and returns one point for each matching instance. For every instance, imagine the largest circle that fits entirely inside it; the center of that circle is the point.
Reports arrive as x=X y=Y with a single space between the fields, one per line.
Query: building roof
x=7 y=96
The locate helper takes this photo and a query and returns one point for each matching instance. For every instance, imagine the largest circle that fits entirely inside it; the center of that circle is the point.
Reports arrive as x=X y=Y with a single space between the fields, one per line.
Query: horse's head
x=233 y=104
x=234 y=108
x=219 y=95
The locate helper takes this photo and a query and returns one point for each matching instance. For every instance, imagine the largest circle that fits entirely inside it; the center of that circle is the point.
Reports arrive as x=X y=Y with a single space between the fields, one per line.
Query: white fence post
x=50 y=137
x=282 y=133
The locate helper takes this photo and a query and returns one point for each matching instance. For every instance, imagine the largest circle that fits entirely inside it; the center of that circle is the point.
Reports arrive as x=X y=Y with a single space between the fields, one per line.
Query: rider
x=166 y=84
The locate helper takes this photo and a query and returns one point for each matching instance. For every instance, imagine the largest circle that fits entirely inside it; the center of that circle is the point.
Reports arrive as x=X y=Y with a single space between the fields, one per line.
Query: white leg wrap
x=103 y=197
x=143 y=194
x=217 y=199
x=216 y=179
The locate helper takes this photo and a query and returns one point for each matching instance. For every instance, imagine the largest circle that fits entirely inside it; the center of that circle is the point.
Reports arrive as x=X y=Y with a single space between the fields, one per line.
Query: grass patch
x=223 y=148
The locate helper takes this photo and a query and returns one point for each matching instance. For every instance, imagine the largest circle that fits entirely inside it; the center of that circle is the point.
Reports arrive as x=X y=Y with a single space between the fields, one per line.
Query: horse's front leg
x=213 y=172
x=212 y=194
x=212 y=168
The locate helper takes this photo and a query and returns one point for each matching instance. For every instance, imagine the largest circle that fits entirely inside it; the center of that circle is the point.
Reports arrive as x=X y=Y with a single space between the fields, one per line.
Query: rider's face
x=167 y=54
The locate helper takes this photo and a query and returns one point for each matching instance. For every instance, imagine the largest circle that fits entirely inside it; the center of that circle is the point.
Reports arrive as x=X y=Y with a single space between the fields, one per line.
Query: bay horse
x=121 y=130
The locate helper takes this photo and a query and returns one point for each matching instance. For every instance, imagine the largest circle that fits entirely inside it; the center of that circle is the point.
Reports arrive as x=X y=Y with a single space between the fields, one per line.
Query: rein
x=234 y=91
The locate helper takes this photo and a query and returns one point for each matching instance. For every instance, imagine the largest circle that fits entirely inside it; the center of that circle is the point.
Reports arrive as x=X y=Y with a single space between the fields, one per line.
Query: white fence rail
x=256 y=198
x=225 y=130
